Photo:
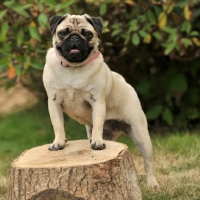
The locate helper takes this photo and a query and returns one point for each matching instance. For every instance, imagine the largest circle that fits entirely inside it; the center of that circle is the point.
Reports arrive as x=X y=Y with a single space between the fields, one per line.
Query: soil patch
x=15 y=99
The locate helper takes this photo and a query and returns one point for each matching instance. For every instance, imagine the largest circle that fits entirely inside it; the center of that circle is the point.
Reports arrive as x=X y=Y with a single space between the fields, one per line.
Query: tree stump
x=75 y=173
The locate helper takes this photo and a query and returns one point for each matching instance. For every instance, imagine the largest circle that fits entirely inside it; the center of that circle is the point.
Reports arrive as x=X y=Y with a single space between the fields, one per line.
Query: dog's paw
x=152 y=183
x=57 y=145
x=97 y=144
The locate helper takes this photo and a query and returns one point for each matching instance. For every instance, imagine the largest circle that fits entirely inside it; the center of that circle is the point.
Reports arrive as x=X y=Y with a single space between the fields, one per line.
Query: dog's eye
x=63 y=33
x=87 y=34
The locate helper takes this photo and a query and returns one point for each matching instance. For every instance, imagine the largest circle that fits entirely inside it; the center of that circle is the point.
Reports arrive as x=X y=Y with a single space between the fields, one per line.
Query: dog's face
x=75 y=37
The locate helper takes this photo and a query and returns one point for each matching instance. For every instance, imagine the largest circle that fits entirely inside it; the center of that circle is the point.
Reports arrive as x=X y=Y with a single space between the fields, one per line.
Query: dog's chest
x=76 y=103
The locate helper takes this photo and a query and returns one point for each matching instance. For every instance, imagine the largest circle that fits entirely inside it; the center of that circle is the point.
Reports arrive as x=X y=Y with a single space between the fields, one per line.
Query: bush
x=154 y=45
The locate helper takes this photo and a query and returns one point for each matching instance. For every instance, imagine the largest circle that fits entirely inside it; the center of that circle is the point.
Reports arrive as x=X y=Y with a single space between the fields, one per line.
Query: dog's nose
x=74 y=38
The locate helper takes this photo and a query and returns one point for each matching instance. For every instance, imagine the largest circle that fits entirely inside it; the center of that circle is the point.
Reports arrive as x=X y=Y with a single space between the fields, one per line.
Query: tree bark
x=75 y=173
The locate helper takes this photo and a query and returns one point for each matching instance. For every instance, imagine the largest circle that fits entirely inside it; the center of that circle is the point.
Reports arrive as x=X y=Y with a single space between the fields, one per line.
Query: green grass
x=176 y=156
x=185 y=190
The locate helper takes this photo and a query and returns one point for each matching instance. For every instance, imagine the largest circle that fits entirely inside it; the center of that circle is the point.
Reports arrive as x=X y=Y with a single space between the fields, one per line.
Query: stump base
x=76 y=172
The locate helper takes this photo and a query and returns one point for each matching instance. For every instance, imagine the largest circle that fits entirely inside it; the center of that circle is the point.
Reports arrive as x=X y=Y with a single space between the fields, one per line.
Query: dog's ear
x=96 y=23
x=54 y=21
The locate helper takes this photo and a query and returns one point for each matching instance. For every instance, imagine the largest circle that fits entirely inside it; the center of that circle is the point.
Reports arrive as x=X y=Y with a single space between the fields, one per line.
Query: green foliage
x=154 y=44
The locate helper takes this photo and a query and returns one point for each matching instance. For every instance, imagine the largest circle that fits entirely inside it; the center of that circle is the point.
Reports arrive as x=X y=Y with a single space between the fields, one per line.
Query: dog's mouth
x=74 y=50
x=74 y=54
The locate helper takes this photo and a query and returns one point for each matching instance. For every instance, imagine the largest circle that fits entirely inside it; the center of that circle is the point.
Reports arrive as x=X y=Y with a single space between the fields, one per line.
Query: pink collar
x=96 y=55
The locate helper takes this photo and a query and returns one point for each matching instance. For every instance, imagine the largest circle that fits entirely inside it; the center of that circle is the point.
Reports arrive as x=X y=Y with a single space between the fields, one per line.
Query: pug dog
x=79 y=83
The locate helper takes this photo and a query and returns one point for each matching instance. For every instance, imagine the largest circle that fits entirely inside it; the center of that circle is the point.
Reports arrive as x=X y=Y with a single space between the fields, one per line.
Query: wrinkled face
x=75 y=37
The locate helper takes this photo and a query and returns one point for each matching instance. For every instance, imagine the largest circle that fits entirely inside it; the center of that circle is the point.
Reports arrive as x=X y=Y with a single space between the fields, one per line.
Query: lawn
x=176 y=155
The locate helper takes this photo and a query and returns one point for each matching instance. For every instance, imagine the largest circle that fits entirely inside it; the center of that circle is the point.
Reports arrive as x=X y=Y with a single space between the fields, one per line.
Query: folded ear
x=96 y=23
x=54 y=21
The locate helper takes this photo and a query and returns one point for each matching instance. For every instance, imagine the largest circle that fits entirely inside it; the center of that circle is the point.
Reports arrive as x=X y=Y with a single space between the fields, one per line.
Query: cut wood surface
x=76 y=172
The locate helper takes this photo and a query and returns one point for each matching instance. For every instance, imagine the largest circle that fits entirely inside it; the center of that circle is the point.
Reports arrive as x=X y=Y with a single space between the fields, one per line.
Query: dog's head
x=75 y=37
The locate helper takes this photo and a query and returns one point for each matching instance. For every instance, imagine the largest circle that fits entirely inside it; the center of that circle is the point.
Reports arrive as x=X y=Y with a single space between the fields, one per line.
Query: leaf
x=193 y=113
x=11 y=72
x=6 y=50
x=26 y=6
x=63 y=5
x=127 y=39
x=40 y=7
x=135 y=39
x=124 y=49
x=168 y=7
x=167 y=116
x=178 y=83
x=32 y=23
x=157 y=10
x=169 y=48
x=68 y=3
x=181 y=4
x=169 y=29
x=194 y=33
x=143 y=33
x=8 y=3
x=172 y=37
x=37 y=66
x=116 y=32
x=133 y=25
x=147 y=27
x=154 y=112
x=157 y=35
x=143 y=87
x=180 y=119
x=130 y=2
x=20 y=10
x=186 y=26
x=151 y=17
x=51 y=3
x=34 y=33
x=147 y=39
x=42 y=19
x=162 y=20
x=186 y=42
x=4 y=62
x=4 y=27
x=4 y=30
x=103 y=8
x=196 y=41
x=20 y=37
x=20 y=58
x=187 y=12
x=27 y=62
x=2 y=14
x=142 y=18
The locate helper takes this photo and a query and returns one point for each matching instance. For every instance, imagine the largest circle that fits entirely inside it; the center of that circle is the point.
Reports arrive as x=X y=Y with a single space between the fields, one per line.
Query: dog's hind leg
x=89 y=131
x=140 y=135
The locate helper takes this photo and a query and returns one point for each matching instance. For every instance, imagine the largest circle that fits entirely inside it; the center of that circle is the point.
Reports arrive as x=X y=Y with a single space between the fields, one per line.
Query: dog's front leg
x=56 y=115
x=98 y=118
